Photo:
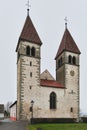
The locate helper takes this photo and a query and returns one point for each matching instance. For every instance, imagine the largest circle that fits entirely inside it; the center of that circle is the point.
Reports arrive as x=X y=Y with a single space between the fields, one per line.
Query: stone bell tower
x=28 y=69
x=67 y=73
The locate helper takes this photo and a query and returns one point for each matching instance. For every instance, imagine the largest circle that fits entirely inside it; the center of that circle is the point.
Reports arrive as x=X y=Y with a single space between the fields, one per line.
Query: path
x=16 y=125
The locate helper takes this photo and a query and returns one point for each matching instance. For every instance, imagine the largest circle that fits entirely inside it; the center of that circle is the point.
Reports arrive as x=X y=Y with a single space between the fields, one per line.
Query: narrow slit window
x=30 y=74
x=30 y=63
x=71 y=109
x=30 y=87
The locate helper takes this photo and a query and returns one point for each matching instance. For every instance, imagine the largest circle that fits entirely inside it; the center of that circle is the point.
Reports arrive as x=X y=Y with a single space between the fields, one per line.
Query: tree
x=7 y=108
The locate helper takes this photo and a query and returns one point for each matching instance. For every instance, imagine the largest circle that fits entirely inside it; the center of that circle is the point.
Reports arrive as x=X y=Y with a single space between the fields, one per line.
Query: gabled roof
x=29 y=33
x=50 y=83
x=13 y=104
x=47 y=80
x=67 y=44
x=46 y=75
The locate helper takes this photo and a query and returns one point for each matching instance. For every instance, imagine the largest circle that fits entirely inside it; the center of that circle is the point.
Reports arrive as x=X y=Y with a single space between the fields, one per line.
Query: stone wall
x=28 y=79
x=28 y=87
x=68 y=75
x=72 y=85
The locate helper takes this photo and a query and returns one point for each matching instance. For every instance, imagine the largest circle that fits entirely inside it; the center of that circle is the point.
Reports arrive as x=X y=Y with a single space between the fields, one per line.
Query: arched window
x=74 y=60
x=60 y=62
x=70 y=59
x=52 y=100
x=28 y=50
x=32 y=51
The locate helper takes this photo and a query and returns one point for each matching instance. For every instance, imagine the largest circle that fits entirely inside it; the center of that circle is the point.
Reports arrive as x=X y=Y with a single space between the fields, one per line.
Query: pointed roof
x=47 y=80
x=67 y=44
x=29 y=33
x=46 y=75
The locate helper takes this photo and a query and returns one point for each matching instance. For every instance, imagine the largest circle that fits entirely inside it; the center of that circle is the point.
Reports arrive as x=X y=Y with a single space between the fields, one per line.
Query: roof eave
x=53 y=86
x=68 y=51
x=13 y=104
x=21 y=39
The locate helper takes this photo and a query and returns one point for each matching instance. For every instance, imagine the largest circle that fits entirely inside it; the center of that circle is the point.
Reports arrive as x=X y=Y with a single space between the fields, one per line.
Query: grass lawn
x=74 y=126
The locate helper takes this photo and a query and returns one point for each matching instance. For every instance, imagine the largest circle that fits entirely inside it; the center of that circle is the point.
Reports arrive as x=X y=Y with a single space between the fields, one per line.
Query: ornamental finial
x=66 y=20
x=28 y=5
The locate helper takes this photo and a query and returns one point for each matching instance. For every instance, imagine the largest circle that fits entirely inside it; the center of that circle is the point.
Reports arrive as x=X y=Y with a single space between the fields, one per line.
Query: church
x=39 y=96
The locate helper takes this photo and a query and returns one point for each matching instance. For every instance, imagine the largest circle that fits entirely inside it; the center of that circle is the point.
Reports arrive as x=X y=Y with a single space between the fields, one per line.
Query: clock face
x=72 y=73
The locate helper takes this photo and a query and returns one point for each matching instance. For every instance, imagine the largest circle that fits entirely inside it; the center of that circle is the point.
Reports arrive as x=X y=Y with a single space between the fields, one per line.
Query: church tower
x=67 y=73
x=28 y=69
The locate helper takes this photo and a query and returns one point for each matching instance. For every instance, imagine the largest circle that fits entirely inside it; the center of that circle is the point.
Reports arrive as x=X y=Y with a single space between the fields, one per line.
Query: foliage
x=7 y=106
x=6 y=114
x=74 y=126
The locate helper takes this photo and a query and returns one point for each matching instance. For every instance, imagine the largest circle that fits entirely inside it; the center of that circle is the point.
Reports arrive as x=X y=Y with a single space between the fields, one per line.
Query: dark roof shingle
x=67 y=44
x=29 y=33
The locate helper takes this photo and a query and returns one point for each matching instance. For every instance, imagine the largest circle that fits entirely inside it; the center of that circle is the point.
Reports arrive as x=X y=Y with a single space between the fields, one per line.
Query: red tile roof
x=29 y=33
x=50 y=83
x=67 y=44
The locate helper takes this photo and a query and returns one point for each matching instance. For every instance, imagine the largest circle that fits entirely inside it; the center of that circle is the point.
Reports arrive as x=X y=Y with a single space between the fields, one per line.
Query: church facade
x=39 y=95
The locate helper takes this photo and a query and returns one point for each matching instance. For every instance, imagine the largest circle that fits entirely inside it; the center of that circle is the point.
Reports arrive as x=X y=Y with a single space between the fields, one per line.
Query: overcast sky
x=48 y=18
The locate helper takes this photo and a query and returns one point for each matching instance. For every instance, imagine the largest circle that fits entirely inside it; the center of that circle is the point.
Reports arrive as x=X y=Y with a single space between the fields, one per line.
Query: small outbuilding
x=13 y=111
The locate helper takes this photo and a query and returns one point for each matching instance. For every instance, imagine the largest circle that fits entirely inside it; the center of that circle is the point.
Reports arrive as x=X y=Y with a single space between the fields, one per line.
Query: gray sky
x=48 y=18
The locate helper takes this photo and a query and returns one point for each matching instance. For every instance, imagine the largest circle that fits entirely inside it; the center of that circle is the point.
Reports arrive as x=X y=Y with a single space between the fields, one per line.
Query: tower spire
x=66 y=20
x=28 y=5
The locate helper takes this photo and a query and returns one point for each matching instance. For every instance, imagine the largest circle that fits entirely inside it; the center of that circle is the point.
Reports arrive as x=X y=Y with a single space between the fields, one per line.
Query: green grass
x=78 y=126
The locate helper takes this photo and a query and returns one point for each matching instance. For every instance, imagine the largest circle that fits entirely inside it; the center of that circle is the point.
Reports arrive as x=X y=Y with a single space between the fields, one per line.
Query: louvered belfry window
x=32 y=51
x=70 y=59
x=28 y=50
